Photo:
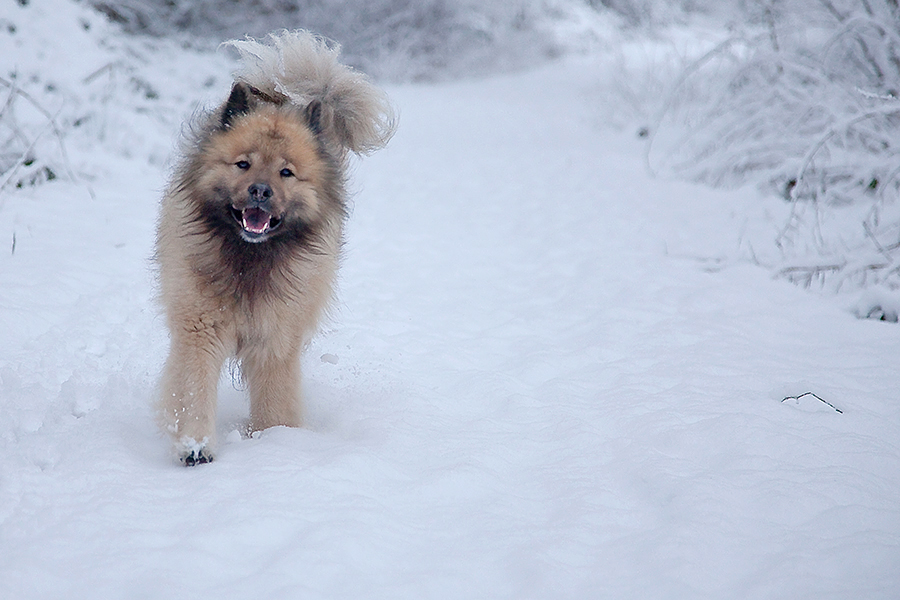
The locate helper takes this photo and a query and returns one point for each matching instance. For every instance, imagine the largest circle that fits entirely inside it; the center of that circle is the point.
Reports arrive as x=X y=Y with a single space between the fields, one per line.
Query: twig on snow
x=803 y=395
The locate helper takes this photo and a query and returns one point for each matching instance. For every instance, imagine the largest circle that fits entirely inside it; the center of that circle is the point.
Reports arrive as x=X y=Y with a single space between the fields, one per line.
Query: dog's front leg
x=188 y=406
x=274 y=382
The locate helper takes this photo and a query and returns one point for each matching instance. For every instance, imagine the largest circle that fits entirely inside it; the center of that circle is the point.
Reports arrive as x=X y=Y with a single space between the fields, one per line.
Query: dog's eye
x=243 y=165
x=286 y=173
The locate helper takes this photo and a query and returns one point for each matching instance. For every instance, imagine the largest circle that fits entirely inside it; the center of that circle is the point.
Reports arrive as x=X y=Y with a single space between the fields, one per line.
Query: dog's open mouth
x=256 y=222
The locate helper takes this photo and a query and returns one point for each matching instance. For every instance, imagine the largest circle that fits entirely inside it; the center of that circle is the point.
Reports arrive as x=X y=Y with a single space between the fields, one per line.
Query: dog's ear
x=238 y=103
x=313 y=113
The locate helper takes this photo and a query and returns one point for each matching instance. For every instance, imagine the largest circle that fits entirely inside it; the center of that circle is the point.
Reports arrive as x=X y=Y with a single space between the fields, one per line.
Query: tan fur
x=358 y=113
x=258 y=301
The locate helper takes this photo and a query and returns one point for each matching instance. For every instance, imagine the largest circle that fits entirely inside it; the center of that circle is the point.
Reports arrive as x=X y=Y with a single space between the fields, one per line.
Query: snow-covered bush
x=55 y=110
x=805 y=104
x=661 y=12
x=392 y=39
x=25 y=158
x=414 y=39
x=35 y=109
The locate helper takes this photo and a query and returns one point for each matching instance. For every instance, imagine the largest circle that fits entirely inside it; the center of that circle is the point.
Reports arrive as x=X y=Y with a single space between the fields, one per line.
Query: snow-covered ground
x=548 y=374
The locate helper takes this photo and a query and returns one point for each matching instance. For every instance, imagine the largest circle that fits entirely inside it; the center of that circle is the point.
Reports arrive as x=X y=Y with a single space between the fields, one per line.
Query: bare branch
x=817 y=397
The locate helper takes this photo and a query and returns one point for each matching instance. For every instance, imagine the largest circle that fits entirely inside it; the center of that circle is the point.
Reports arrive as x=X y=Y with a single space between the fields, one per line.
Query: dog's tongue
x=256 y=220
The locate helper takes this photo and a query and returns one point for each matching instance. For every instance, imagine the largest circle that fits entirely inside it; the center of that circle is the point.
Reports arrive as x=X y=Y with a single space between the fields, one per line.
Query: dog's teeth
x=256 y=220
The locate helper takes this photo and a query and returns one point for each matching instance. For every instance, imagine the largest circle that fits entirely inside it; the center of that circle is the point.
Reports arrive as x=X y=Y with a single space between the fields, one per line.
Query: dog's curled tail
x=301 y=67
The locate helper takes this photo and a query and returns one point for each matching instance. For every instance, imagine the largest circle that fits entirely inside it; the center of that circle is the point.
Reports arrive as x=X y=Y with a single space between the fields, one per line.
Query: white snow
x=548 y=375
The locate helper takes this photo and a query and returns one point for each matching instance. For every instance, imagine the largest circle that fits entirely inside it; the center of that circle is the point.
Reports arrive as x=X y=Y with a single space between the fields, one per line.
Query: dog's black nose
x=259 y=192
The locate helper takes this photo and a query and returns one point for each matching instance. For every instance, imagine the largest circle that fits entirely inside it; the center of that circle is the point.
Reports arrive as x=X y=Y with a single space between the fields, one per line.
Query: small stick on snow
x=797 y=398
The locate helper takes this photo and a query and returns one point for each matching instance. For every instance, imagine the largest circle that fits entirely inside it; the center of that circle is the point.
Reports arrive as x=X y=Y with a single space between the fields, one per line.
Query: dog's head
x=263 y=171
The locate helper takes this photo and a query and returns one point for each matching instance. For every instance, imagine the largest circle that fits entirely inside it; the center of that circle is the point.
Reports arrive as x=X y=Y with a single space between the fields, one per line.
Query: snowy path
x=539 y=383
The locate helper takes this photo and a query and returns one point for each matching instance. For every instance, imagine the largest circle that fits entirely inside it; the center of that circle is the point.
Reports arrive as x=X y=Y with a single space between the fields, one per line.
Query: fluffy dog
x=250 y=230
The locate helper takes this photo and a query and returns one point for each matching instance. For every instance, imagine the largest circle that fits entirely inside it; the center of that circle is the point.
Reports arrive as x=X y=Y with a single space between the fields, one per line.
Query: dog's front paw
x=196 y=457
x=191 y=452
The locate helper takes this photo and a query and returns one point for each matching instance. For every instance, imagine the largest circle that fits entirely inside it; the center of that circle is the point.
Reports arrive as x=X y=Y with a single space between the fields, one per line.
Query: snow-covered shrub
x=415 y=39
x=72 y=82
x=393 y=39
x=28 y=133
x=805 y=104
x=661 y=12
x=32 y=123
